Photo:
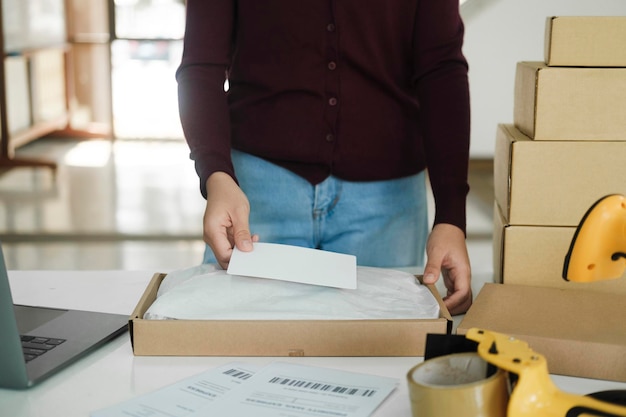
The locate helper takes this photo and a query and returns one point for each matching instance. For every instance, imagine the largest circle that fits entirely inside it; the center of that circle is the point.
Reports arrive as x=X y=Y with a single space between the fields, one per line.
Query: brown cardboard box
x=280 y=337
x=586 y=41
x=567 y=103
x=534 y=255
x=581 y=333
x=546 y=183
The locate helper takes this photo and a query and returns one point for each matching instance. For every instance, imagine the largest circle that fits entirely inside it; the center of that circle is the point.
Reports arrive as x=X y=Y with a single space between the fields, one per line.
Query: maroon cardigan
x=360 y=89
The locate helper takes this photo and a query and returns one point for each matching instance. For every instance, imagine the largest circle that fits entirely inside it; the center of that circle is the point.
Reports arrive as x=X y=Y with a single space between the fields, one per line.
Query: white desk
x=112 y=374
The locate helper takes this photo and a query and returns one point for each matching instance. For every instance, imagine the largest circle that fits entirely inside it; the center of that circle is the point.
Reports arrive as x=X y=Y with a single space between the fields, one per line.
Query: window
x=145 y=53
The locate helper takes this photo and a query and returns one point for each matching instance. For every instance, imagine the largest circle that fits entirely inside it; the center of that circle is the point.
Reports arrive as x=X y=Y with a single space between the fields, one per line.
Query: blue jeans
x=382 y=223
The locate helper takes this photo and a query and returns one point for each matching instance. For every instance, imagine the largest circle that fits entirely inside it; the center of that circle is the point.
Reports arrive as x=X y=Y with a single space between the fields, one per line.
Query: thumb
x=241 y=233
x=432 y=270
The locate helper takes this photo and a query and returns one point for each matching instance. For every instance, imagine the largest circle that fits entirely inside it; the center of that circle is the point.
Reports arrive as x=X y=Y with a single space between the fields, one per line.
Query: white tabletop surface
x=113 y=374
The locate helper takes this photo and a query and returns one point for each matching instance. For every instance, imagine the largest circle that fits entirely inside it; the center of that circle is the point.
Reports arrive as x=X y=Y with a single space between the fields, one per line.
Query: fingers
x=447 y=256
x=218 y=235
x=459 y=294
x=459 y=297
x=226 y=218
x=222 y=249
x=241 y=228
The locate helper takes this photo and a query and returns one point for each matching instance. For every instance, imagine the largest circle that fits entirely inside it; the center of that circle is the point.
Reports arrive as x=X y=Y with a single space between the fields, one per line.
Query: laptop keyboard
x=34 y=346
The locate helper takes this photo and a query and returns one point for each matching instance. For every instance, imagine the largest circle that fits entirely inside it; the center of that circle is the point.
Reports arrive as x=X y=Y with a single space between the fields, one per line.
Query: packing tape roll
x=457 y=385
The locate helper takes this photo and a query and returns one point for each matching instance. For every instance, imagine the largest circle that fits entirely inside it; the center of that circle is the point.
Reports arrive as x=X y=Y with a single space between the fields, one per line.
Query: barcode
x=238 y=373
x=320 y=386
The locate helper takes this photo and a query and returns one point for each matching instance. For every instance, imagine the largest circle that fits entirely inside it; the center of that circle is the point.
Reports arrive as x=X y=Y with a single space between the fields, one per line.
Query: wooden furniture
x=54 y=73
x=19 y=41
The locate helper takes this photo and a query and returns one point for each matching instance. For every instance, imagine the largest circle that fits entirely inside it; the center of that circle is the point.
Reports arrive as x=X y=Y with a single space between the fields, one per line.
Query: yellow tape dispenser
x=534 y=394
x=598 y=248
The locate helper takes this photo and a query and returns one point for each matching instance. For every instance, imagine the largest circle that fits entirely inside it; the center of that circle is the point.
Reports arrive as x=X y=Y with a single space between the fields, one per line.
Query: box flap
x=581 y=333
x=443 y=310
x=146 y=300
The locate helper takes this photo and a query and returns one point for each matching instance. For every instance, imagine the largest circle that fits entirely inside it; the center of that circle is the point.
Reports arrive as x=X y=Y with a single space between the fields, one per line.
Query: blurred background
x=94 y=170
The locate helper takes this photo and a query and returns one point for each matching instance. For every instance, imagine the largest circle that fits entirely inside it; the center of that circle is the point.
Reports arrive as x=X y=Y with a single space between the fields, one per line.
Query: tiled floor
x=135 y=205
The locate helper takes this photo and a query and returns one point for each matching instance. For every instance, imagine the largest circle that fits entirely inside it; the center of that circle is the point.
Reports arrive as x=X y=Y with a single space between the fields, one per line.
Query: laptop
x=36 y=342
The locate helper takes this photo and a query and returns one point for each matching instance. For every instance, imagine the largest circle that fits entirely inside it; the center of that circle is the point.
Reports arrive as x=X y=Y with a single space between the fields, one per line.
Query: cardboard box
x=280 y=337
x=546 y=183
x=535 y=255
x=566 y=103
x=586 y=41
x=581 y=333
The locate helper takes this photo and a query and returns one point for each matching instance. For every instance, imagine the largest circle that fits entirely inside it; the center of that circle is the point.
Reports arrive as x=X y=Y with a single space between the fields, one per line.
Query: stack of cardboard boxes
x=565 y=151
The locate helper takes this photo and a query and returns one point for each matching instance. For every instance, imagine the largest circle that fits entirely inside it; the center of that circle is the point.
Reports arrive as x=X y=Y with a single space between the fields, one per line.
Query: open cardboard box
x=580 y=333
x=405 y=337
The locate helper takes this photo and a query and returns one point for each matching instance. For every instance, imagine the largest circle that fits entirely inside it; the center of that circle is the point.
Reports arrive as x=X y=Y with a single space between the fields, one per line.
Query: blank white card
x=295 y=264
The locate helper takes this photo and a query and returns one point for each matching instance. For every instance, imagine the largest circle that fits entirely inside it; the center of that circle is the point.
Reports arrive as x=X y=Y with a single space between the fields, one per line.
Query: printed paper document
x=278 y=389
x=291 y=390
x=185 y=397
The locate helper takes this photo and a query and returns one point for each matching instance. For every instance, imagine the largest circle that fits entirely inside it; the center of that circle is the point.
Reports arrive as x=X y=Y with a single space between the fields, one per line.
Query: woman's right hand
x=226 y=218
